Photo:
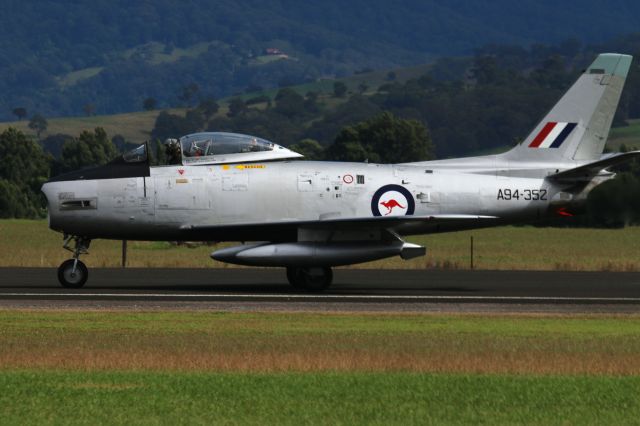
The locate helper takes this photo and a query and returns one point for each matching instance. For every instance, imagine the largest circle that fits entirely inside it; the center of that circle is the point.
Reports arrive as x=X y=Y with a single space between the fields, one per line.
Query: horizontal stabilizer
x=588 y=171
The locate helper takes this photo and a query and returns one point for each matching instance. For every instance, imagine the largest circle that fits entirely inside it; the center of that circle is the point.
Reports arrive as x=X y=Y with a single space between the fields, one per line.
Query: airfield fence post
x=471 y=252
x=124 y=253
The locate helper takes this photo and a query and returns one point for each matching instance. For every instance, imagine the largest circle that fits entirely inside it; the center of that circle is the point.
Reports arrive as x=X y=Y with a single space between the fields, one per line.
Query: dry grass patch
x=315 y=342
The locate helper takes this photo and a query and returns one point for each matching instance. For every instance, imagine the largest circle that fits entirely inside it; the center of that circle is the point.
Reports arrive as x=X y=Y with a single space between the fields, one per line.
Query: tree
x=615 y=203
x=310 y=148
x=53 y=144
x=90 y=149
x=384 y=138
x=149 y=104
x=24 y=167
x=208 y=107
x=174 y=126
x=20 y=112
x=188 y=93
x=289 y=103
x=339 y=89
x=348 y=147
x=236 y=107
x=38 y=123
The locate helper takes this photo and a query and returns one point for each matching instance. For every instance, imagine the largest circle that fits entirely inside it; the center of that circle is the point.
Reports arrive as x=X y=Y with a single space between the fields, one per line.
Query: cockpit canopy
x=136 y=155
x=220 y=147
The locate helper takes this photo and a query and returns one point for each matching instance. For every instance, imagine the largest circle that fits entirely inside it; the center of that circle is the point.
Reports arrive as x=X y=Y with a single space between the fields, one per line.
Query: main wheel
x=314 y=279
x=71 y=278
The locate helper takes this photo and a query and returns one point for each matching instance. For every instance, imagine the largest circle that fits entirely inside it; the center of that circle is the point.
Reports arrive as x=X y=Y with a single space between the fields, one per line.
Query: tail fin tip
x=611 y=63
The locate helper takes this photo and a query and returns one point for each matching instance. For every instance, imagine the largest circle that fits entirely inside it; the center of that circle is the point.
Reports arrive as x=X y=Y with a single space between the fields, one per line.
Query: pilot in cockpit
x=172 y=150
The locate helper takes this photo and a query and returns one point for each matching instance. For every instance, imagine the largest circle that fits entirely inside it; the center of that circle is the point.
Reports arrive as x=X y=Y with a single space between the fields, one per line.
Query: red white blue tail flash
x=552 y=135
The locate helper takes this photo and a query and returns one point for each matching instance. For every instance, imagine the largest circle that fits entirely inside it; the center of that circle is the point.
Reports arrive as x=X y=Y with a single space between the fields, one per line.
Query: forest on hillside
x=484 y=103
x=61 y=58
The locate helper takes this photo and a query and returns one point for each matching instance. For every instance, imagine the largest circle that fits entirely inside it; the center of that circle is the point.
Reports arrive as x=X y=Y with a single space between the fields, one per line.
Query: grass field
x=294 y=399
x=31 y=243
x=279 y=368
x=135 y=126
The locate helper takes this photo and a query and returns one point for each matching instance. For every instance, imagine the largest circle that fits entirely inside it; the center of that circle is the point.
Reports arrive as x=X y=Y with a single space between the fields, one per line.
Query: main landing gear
x=72 y=273
x=315 y=279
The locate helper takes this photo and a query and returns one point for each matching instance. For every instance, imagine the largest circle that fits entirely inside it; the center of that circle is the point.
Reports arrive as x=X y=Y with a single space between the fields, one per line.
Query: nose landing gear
x=72 y=273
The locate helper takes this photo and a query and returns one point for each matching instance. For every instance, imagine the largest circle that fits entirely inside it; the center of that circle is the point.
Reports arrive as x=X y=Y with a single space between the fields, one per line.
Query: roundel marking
x=347 y=179
x=392 y=200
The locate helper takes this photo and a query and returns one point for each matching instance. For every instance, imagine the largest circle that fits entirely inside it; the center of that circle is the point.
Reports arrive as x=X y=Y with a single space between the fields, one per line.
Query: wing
x=288 y=230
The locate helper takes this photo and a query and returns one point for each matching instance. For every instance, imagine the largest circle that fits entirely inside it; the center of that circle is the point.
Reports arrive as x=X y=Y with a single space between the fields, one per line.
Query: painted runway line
x=327 y=297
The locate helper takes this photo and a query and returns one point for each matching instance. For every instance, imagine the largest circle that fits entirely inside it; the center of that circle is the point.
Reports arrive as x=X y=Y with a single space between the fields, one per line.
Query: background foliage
x=106 y=56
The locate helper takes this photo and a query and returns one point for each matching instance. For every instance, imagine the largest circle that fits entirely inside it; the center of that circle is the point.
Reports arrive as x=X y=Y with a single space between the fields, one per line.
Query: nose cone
x=50 y=194
x=47 y=190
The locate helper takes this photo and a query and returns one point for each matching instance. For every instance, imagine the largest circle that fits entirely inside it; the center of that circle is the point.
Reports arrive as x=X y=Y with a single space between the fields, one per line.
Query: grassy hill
x=135 y=127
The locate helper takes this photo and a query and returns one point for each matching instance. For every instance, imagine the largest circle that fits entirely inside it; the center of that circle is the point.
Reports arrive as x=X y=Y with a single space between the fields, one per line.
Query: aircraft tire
x=292 y=277
x=70 y=279
x=309 y=279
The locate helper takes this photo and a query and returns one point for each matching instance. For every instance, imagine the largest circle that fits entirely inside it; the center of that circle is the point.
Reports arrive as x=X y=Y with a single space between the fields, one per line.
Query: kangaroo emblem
x=390 y=205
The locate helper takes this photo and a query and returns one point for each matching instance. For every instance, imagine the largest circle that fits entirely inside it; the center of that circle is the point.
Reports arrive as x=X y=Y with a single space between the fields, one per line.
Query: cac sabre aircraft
x=309 y=216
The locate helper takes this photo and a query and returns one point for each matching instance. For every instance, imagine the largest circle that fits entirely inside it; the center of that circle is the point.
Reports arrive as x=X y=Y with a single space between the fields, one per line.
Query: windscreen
x=199 y=145
x=136 y=155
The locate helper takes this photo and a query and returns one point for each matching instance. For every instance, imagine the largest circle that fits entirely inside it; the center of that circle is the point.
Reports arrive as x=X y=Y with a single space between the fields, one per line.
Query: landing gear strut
x=72 y=273
x=314 y=279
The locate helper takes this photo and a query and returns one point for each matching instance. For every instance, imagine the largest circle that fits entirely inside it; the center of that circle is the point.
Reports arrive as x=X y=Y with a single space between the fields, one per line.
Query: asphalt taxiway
x=353 y=290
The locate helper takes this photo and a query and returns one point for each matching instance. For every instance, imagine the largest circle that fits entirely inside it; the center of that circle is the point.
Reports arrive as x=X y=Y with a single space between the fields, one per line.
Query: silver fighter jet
x=310 y=216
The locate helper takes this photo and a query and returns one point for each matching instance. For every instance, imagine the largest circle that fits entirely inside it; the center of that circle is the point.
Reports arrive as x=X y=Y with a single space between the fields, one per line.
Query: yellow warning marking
x=182 y=180
x=244 y=166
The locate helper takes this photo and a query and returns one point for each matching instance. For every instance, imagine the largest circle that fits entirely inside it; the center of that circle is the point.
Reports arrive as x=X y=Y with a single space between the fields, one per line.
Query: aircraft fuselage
x=174 y=199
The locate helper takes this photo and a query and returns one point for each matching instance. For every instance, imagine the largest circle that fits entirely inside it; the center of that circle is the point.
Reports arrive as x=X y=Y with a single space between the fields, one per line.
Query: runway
x=353 y=290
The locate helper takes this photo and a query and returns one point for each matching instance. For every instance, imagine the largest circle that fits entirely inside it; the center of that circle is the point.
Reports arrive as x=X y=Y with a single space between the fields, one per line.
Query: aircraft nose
x=47 y=190
x=49 y=193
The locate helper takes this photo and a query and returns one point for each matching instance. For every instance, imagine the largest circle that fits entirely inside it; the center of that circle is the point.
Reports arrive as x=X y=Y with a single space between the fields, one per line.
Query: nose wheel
x=72 y=273
x=314 y=279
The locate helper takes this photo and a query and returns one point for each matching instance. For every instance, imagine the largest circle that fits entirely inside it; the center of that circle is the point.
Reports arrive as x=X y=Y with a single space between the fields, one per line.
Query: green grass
x=96 y=367
x=74 y=77
x=31 y=244
x=31 y=397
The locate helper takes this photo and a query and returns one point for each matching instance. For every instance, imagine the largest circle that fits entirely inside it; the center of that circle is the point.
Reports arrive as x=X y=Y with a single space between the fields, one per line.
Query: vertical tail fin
x=577 y=127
